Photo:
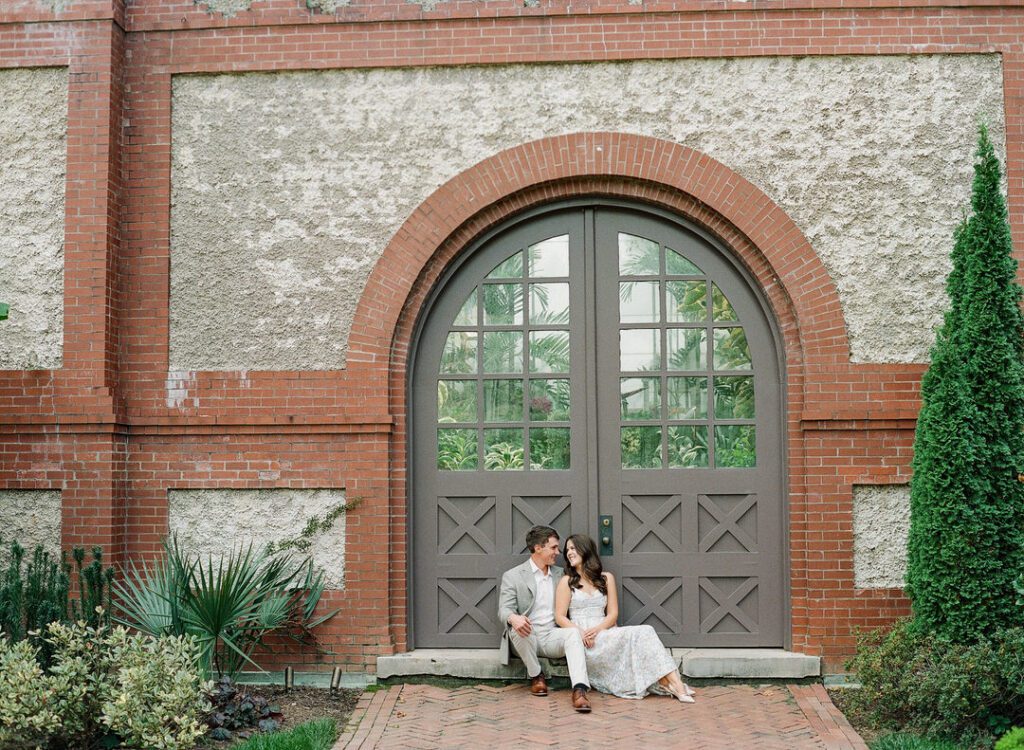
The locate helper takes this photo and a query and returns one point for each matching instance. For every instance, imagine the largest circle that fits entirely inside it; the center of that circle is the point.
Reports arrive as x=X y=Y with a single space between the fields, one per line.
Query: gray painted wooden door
x=589 y=365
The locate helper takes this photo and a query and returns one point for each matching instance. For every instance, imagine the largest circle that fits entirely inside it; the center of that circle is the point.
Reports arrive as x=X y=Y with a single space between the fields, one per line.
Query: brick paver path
x=486 y=717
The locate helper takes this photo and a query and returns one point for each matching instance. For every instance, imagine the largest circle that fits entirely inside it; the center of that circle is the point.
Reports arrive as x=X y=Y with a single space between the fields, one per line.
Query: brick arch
x=790 y=276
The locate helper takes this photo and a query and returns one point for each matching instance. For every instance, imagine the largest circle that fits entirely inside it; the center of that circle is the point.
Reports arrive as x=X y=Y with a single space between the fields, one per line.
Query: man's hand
x=590 y=637
x=521 y=624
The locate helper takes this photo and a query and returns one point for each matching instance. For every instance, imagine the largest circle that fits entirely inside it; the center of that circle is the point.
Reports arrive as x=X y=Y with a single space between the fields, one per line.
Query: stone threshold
x=485 y=664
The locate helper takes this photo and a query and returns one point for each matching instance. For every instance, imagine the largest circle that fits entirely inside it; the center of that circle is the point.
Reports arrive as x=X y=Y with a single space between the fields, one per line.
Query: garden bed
x=301 y=704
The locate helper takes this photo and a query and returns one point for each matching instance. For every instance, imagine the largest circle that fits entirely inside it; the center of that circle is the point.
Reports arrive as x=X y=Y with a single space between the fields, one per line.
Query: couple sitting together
x=573 y=615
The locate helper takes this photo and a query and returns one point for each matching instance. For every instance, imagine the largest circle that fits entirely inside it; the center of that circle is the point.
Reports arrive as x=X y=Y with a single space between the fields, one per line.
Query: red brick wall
x=100 y=430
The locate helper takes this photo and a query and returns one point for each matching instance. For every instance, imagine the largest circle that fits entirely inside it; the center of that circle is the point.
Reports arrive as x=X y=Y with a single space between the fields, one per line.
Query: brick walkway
x=485 y=717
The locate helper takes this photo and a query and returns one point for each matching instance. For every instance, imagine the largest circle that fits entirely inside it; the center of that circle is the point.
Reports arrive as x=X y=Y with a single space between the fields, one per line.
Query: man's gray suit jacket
x=517 y=594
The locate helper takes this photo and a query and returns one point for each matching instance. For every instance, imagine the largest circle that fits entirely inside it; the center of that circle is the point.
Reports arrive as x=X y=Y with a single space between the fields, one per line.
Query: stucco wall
x=216 y=521
x=33 y=144
x=286 y=187
x=29 y=517
x=881 y=525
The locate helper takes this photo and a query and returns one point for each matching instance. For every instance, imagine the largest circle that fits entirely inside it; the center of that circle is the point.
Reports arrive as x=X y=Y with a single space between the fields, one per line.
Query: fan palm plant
x=231 y=604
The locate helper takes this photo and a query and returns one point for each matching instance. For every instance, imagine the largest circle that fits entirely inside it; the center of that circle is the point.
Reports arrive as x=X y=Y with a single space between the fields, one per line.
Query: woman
x=629 y=661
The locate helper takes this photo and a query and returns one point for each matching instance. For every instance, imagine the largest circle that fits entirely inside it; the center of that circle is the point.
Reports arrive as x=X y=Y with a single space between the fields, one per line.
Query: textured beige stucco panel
x=216 y=521
x=33 y=147
x=286 y=187
x=30 y=518
x=881 y=525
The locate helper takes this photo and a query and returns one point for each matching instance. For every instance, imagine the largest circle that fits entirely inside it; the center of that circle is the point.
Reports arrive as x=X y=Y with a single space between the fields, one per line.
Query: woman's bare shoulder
x=608 y=577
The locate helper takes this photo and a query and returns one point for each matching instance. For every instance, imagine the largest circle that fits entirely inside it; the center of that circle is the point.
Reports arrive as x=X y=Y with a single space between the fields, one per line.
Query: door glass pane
x=641 y=447
x=731 y=350
x=640 y=349
x=686 y=301
x=503 y=400
x=467 y=315
x=456 y=449
x=503 y=450
x=456 y=400
x=549 y=304
x=549 y=351
x=638 y=256
x=549 y=400
x=550 y=257
x=686 y=347
x=734 y=445
x=639 y=302
x=677 y=265
x=503 y=304
x=734 y=397
x=721 y=309
x=459 y=355
x=687 y=398
x=509 y=269
x=687 y=446
x=503 y=351
x=640 y=398
x=549 y=448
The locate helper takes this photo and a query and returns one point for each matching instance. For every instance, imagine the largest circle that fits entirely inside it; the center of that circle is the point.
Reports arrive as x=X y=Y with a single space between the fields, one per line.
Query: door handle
x=605 y=534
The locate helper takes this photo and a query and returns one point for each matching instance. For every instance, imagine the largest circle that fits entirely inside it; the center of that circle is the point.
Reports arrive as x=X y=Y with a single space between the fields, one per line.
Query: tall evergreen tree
x=966 y=543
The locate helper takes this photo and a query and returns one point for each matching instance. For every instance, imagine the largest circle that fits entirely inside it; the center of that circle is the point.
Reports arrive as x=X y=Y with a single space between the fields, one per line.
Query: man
x=527 y=607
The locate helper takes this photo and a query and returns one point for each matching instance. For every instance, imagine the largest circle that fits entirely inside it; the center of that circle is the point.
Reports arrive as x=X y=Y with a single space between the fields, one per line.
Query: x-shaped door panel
x=466 y=604
x=465 y=524
x=728 y=604
x=653 y=603
x=727 y=522
x=651 y=523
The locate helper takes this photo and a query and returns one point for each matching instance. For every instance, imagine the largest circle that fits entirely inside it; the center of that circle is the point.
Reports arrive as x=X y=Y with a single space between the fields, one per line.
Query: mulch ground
x=300 y=705
x=840 y=697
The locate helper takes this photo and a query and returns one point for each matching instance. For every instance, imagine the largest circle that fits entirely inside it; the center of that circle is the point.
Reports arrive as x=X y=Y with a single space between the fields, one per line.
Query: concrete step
x=485 y=664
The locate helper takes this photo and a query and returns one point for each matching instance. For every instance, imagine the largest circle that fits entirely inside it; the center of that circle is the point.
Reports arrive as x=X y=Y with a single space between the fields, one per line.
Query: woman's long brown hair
x=591 y=563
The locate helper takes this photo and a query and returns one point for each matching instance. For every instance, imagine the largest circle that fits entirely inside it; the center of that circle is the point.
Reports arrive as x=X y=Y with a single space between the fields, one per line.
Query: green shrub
x=155 y=700
x=27 y=715
x=1012 y=740
x=236 y=710
x=910 y=742
x=966 y=541
x=32 y=598
x=922 y=683
x=104 y=688
x=230 y=604
x=313 y=735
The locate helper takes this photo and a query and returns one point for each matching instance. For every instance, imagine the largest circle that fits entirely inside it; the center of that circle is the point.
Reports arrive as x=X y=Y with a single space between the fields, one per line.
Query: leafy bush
x=313 y=735
x=27 y=713
x=1012 y=740
x=156 y=700
x=231 y=605
x=105 y=688
x=925 y=684
x=234 y=710
x=910 y=742
x=32 y=599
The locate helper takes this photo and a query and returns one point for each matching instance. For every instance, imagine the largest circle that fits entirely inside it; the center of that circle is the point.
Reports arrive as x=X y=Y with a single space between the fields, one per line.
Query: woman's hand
x=590 y=637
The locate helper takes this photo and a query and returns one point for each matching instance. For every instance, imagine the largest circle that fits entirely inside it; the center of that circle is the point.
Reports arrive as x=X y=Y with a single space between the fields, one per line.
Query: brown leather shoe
x=538 y=685
x=579 y=701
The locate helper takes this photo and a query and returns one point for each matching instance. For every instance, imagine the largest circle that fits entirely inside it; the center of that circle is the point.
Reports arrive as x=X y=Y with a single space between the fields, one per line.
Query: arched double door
x=605 y=370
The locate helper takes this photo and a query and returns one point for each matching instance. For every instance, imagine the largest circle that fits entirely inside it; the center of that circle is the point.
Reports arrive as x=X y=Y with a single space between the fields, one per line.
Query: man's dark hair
x=538 y=535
